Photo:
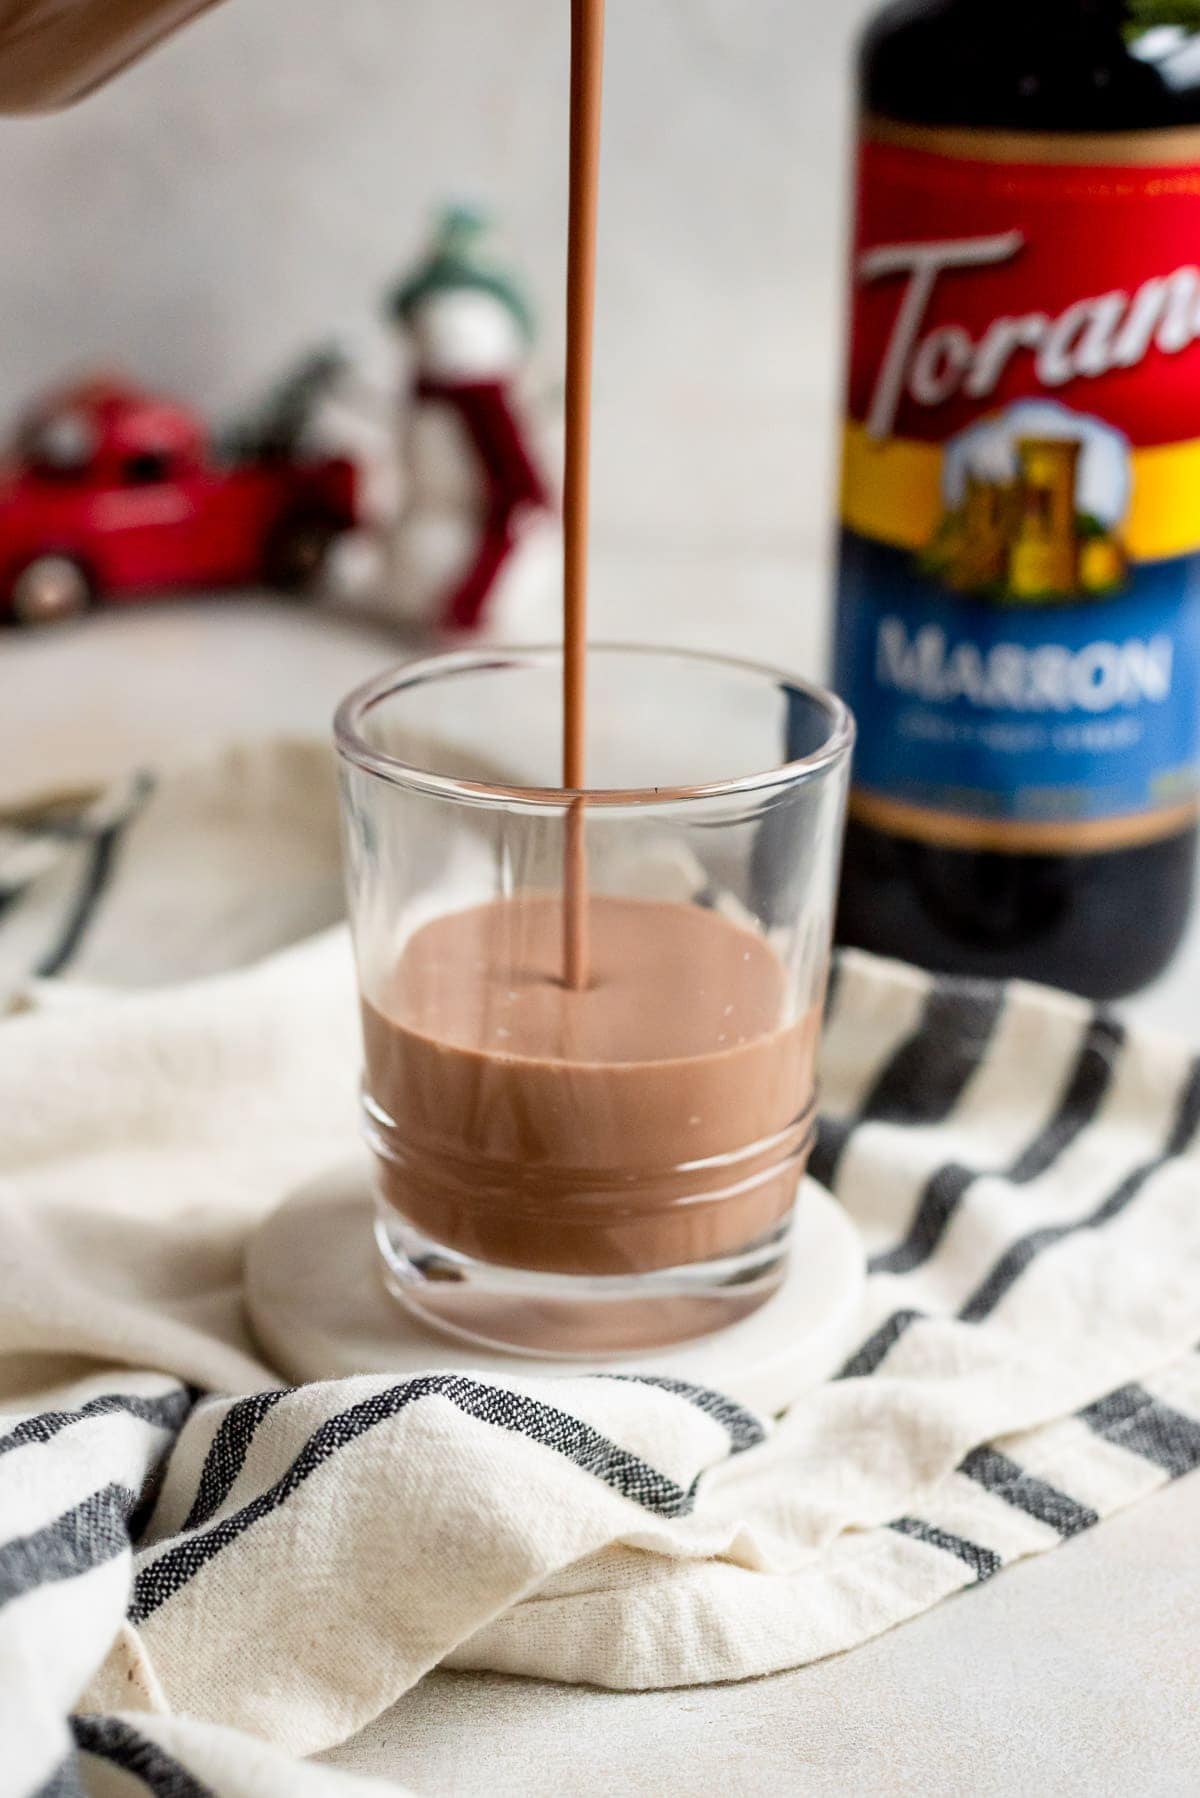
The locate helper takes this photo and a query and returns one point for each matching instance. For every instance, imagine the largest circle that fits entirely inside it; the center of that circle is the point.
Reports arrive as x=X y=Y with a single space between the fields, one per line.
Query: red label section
x=977 y=283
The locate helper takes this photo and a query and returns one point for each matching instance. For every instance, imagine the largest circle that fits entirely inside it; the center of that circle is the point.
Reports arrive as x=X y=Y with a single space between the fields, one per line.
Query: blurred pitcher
x=55 y=51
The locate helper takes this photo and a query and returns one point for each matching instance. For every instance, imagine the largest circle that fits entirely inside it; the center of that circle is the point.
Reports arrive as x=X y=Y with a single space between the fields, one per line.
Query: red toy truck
x=112 y=493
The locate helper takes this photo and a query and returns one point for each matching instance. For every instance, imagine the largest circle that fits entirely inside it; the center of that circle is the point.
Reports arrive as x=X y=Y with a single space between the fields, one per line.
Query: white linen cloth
x=203 y=1576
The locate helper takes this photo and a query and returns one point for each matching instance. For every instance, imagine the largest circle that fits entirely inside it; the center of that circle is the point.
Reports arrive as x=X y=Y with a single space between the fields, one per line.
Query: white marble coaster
x=318 y=1305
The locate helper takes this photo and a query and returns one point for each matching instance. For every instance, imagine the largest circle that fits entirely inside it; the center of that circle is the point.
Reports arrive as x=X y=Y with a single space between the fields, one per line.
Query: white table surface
x=1076 y=1673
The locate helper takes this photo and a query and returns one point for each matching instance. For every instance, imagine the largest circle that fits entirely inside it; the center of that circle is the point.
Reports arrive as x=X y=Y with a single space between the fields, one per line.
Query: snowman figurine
x=477 y=545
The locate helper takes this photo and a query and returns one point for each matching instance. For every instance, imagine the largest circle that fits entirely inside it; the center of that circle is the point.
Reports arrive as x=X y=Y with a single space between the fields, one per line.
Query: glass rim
x=352 y=745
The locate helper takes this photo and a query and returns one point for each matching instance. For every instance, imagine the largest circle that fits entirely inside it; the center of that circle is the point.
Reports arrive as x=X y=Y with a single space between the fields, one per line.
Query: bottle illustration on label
x=1034 y=506
x=1018 y=624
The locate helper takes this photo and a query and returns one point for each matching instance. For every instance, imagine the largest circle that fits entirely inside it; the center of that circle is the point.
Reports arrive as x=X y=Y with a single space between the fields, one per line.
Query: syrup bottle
x=1018 y=625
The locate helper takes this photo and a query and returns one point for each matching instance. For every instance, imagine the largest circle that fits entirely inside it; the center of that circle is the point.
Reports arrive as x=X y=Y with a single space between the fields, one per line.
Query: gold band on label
x=892 y=492
x=1084 y=836
x=1147 y=149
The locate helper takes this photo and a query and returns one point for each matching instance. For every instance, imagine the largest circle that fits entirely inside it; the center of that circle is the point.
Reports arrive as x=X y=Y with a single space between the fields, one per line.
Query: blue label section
x=1042 y=713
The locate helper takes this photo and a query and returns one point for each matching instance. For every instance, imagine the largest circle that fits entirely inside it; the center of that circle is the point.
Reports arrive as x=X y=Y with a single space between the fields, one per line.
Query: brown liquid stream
x=587 y=84
x=584 y=1084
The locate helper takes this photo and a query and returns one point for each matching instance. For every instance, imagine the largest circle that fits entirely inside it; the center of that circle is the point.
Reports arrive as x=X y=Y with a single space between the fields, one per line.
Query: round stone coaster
x=317 y=1302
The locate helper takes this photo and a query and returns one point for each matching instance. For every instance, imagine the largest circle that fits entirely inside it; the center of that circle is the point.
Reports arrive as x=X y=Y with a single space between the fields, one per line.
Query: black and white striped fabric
x=55 y=865
x=156 y=880
x=205 y=1577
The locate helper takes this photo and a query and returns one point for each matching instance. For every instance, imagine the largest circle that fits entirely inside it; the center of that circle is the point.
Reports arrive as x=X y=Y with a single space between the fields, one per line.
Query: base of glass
x=566 y=1316
x=318 y=1305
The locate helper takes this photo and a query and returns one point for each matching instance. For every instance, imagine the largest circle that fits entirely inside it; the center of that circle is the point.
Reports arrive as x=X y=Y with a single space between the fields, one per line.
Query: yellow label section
x=891 y=488
x=952 y=830
x=1164 y=513
x=892 y=491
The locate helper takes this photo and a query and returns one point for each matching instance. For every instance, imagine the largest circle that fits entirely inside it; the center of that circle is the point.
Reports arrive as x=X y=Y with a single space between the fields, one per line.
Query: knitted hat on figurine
x=457 y=262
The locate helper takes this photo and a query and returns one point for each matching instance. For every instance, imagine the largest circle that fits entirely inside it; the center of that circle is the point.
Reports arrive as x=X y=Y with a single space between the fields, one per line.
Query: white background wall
x=263 y=176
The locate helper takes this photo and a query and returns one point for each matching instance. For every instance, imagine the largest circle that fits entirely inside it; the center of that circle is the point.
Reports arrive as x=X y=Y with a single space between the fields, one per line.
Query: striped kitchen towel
x=205 y=1575
x=155 y=881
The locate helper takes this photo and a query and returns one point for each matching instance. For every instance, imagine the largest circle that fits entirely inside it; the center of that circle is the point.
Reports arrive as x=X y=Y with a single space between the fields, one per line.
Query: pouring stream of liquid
x=587 y=77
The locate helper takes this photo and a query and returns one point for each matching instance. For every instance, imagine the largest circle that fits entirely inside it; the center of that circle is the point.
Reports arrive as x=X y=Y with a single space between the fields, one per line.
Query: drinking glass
x=546 y=1194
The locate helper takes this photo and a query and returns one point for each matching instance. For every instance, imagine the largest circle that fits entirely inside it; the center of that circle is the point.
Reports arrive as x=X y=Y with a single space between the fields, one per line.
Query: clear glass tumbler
x=598 y=1157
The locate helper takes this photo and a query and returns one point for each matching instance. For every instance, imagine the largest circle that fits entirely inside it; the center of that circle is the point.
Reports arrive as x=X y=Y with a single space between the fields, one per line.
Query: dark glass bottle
x=1098 y=918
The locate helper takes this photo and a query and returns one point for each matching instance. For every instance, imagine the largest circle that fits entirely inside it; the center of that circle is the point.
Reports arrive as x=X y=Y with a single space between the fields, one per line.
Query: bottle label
x=1019 y=608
